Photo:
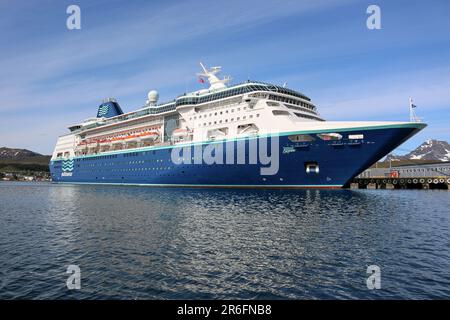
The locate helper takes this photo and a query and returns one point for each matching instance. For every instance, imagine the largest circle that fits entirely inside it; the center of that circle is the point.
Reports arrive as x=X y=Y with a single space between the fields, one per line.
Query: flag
x=201 y=80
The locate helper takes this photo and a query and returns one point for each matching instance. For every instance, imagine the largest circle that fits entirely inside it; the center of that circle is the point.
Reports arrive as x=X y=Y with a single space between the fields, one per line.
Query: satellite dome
x=153 y=97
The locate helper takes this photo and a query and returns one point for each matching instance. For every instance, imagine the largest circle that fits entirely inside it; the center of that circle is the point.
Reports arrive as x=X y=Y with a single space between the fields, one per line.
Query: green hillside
x=36 y=163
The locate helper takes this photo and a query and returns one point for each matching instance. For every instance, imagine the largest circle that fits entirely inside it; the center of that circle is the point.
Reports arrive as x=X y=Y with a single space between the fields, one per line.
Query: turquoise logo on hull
x=67 y=165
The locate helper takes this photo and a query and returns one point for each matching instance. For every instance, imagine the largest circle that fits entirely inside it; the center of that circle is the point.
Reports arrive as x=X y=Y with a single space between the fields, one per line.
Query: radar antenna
x=211 y=75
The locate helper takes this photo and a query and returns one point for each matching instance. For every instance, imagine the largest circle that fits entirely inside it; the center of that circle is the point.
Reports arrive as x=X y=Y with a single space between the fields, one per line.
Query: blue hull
x=339 y=161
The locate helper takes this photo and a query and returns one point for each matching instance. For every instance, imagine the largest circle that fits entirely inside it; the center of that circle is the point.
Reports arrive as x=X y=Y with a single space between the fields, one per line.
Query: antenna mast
x=412 y=114
x=211 y=75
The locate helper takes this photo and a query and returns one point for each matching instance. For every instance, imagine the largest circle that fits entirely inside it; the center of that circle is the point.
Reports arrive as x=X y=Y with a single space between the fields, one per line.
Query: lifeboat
x=149 y=136
x=117 y=141
x=104 y=142
x=82 y=144
x=92 y=144
x=131 y=138
x=180 y=133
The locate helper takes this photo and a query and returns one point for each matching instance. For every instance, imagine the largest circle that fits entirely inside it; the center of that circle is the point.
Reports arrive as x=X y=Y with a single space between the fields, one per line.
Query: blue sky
x=52 y=77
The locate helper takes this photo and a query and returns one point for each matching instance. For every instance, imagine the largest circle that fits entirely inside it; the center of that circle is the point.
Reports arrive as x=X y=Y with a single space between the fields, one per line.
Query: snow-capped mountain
x=429 y=150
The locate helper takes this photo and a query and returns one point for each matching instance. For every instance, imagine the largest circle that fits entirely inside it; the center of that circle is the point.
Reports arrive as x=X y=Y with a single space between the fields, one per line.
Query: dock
x=411 y=176
x=442 y=183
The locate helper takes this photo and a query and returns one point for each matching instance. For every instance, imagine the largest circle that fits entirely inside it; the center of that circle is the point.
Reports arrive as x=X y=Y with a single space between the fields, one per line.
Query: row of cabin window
x=226 y=120
x=126 y=169
x=125 y=155
x=124 y=162
x=111 y=156
x=216 y=113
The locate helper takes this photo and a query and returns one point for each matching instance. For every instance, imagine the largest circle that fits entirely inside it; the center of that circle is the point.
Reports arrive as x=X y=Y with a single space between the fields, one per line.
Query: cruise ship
x=251 y=134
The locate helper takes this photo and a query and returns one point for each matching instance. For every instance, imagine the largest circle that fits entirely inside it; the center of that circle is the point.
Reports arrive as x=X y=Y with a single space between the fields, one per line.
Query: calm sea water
x=154 y=243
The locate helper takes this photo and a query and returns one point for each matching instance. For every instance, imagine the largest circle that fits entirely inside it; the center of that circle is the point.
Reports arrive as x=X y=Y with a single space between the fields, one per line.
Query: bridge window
x=301 y=115
x=280 y=113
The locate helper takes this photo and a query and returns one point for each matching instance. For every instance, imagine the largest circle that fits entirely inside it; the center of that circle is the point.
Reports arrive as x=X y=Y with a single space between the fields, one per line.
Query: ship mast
x=412 y=114
x=214 y=82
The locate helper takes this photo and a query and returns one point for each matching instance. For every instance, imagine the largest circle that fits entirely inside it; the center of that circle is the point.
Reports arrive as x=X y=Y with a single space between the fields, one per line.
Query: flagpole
x=411 y=118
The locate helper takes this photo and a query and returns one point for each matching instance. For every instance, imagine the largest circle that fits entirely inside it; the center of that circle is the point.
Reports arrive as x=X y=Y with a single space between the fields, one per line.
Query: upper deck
x=202 y=97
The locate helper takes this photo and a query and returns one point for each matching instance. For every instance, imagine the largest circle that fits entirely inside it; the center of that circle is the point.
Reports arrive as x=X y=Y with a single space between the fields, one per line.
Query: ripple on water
x=150 y=243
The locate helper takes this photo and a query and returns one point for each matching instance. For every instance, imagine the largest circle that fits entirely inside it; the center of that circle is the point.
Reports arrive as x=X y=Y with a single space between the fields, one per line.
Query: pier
x=401 y=183
x=411 y=176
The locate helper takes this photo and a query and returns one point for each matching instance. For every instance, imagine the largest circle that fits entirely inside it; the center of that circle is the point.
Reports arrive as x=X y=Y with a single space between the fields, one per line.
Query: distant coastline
x=23 y=165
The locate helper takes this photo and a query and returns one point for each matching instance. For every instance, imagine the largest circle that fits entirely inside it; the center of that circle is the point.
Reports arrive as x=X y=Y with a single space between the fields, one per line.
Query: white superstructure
x=217 y=113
